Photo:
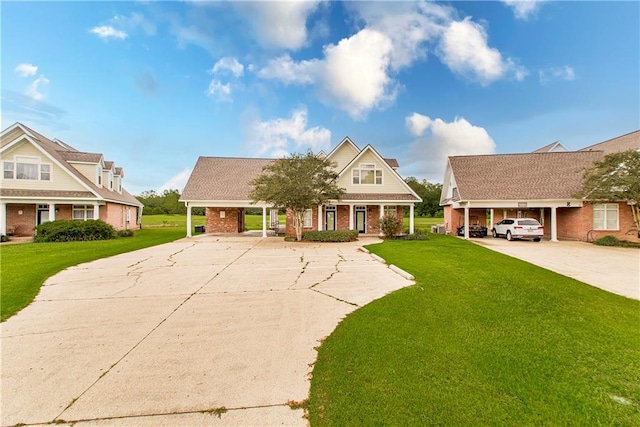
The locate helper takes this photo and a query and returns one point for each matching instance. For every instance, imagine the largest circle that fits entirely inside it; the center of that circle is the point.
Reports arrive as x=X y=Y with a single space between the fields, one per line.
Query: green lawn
x=481 y=339
x=423 y=223
x=25 y=266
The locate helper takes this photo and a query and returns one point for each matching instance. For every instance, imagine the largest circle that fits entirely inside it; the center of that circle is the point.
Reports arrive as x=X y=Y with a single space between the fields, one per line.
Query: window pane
x=8 y=170
x=45 y=172
x=26 y=171
x=78 y=214
x=308 y=218
x=378 y=177
x=356 y=176
x=367 y=177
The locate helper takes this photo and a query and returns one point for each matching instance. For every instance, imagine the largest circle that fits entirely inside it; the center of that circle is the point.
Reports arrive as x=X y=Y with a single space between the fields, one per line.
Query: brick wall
x=342 y=220
x=116 y=215
x=291 y=231
x=577 y=224
x=22 y=218
x=216 y=224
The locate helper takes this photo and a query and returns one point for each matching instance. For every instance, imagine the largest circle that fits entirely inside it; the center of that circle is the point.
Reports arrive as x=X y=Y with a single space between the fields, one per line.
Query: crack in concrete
x=216 y=411
x=336 y=271
x=57 y=418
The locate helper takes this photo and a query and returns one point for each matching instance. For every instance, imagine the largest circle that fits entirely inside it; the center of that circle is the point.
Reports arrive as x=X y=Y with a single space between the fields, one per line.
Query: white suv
x=518 y=228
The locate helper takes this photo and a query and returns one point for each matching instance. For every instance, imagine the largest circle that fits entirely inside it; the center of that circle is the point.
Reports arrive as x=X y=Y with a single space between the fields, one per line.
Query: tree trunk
x=635 y=211
x=298 y=218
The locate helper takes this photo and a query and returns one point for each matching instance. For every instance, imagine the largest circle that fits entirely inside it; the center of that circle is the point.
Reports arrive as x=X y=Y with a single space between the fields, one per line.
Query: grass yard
x=481 y=339
x=423 y=223
x=155 y=221
x=25 y=266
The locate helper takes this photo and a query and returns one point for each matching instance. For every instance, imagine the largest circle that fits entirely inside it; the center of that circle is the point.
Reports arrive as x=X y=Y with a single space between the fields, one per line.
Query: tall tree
x=430 y=194
x=298 y=182
x=616 y=177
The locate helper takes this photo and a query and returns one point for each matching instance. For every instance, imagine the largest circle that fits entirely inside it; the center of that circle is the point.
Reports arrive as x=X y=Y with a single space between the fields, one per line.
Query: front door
x=361 y=221
x=240 y=220
x=43 y=214
x=330 y=218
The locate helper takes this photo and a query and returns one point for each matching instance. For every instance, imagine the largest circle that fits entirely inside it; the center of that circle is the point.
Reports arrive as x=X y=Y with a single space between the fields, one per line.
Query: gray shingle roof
x=533 y=176
x=347 y=197
x=223 y=178
x=76 y=156
x=11 y=192
x=629 y=141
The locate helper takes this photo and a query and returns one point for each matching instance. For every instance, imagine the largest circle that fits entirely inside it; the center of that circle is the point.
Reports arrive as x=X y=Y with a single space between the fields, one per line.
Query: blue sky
x=154 y=85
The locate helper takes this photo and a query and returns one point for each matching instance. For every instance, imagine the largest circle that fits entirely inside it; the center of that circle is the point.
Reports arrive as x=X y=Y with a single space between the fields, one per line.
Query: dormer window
x=99 y=175
x=110 y=180
x=367 y=173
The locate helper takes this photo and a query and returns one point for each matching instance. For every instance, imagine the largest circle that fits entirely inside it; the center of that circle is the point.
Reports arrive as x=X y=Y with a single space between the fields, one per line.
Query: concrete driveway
x=616 y=270
x=206 y=331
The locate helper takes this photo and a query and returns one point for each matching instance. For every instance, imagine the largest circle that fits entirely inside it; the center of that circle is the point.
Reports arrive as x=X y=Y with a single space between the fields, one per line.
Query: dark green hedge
x=63 y=230
x=331 y=236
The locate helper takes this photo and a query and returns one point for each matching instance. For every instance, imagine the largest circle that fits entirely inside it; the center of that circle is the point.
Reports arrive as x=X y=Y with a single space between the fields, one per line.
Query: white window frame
x=307 y=218
x=10 y=169
x=110 y=180
x=391 y=210
x=604 y=214
x=86 y=210
x=99 y=175
x=357 y=174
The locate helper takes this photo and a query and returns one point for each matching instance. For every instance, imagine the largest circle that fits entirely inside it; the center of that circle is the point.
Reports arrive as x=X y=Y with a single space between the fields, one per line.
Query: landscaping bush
x=607 y=241
x=331 y=236
x=390 y=225
x=125 y=233
x=63 y=230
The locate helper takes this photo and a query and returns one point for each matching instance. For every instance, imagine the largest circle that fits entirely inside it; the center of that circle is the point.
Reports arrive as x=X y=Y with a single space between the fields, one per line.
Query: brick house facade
x=543 y=185
x=45 y=179
x=372 y=186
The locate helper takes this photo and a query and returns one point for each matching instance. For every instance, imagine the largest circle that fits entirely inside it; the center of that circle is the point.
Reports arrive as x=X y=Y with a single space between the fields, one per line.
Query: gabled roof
x=629 y=141
x=552 y=148
x=63 y=156
x=532 y=176
x=390 y=169
x=223 y=178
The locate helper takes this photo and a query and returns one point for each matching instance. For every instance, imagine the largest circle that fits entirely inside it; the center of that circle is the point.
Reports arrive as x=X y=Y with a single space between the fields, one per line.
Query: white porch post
x=554 y=225
x=491 y=218
x=411 y=218
x=96 y=211
x=381 y=208
x=350 y=216
x=264 y=221
x=3 y=218
x=466 y=221
x=188 y=219
x=52 y=212
x=320 y=218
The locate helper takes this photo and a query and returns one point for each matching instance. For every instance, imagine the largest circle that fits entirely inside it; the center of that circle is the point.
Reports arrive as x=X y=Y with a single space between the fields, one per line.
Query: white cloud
x=229 y=65
x=107 y=31
x=565 y=72
x=288 y=71
x=132 y=22
x=33 y=91
x=26 y=70
x=281 y=25
x=444 y=139
x=417 y=123
x=523 y=9
x=464 y=49
x=279 y=137
x=219 y=91
x=177 y=182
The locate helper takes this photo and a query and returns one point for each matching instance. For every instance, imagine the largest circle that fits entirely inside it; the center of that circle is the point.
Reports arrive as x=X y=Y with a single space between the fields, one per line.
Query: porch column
x=350 y=216
x=3 y=218
x=96 y=211
x=188 y=219
x=466 y=221
x=381 y=208
x=264 y=221
x=491 y=218
x=554 y=225
x=411 y=218
x=52 y=212
x=320 y=227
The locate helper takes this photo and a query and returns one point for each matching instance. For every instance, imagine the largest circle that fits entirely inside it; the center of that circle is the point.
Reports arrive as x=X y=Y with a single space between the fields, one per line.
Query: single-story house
x=373 y=188
x=45 y=179
x=483 y=189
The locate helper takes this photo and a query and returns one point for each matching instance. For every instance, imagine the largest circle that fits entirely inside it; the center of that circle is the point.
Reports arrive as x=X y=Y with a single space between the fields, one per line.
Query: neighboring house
x=542 y=185
x=373 y=188
x=45 y=179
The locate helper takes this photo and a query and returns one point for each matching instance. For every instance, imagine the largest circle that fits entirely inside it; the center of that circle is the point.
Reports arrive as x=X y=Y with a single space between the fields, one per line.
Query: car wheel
x=509 y=238
x=494 y=233
x=537 y=239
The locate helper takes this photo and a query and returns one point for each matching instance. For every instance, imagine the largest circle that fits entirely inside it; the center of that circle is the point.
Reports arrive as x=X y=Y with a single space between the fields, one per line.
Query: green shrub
x=390 y=225
x=331 y=236
x=63 y=230
x=607 y=241
x=125 y=233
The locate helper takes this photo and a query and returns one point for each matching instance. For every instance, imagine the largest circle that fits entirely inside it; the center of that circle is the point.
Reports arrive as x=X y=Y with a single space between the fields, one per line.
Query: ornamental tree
x=298 y=182
x=616 y=177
